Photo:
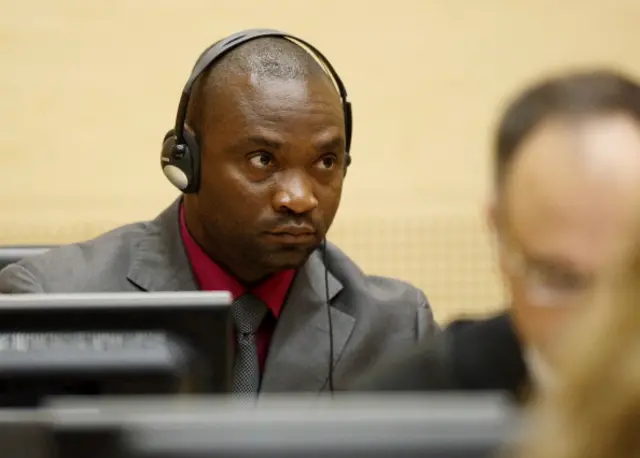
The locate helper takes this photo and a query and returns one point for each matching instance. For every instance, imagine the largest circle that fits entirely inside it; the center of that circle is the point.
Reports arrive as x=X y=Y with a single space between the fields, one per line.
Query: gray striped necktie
x=248 y=312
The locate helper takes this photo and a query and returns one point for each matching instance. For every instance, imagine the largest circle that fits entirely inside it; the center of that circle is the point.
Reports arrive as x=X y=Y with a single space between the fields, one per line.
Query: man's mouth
x=293 y=234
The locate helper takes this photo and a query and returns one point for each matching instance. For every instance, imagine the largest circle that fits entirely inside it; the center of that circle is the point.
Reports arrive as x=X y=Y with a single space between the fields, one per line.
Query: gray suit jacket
x=371 y=316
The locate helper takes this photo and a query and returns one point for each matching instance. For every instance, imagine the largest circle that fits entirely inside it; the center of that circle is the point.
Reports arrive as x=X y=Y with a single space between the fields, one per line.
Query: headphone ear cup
x=194 y=160
x=175 y=160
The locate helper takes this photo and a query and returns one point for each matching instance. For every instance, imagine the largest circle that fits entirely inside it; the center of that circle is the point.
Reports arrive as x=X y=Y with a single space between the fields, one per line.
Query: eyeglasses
x=545 y=284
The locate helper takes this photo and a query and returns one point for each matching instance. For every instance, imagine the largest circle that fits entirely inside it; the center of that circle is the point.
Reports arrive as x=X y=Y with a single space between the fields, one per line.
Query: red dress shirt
x=211 y=277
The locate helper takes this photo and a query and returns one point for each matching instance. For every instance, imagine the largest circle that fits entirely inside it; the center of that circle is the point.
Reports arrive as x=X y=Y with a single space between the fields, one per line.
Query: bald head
x=574 y=95
x=574 y=188
x=568 y=195
x=260 y=60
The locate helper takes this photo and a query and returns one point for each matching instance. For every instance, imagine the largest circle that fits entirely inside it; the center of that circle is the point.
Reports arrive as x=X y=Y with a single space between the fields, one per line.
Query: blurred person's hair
x=594 y=410
x=580 y=93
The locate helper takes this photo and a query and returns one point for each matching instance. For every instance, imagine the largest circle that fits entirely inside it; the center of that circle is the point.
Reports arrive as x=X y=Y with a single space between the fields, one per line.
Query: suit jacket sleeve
x=427 y=367
x=468 y=355
x=17 y=278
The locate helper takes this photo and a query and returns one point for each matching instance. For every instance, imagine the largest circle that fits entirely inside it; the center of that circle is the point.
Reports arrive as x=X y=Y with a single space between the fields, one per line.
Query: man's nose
x=294 y=195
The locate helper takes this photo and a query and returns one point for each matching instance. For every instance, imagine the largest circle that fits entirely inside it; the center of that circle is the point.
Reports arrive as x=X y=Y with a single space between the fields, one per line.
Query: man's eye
x=564 y=281
x=261 y=160
x=327 y=162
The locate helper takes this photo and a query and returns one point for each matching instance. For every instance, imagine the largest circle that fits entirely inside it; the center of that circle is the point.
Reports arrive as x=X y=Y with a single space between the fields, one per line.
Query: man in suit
x=566 y=202
x=272 y=137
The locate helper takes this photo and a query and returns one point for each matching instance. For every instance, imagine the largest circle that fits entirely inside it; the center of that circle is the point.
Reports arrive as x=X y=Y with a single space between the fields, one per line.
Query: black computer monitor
x=113 y=343
x=348 y=426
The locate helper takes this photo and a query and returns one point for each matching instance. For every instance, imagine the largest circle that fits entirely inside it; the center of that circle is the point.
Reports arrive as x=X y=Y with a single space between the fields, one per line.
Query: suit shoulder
x=77 y=266
x=489 y=323
x=384 y=291
x=382 y=305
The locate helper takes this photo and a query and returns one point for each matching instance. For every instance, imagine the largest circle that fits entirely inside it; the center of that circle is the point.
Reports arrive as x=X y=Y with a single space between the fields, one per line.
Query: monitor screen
x=425 y=426
x=113 y=343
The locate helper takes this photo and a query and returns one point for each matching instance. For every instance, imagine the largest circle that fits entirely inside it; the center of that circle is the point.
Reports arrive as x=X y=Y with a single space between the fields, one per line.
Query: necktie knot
x=248 y=312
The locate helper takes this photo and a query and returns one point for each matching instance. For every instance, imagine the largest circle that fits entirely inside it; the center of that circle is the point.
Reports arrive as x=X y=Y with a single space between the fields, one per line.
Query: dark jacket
x=469 y=355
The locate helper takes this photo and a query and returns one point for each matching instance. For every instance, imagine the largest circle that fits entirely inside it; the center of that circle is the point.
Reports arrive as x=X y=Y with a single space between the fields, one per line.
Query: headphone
x=180 y=158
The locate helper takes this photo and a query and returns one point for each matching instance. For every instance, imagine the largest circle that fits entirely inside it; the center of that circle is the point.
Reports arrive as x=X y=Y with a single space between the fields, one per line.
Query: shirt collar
x=211 y=277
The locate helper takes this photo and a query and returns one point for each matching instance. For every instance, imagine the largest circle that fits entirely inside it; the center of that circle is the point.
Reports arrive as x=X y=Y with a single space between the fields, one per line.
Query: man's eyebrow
x=331 y=144
x=546 y=260
x=334 y=144
x=263 y=141
x=557 y=264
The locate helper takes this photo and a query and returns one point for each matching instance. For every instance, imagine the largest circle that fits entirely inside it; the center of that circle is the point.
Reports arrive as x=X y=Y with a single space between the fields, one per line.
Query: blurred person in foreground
x=593 y=411
x=567 y=194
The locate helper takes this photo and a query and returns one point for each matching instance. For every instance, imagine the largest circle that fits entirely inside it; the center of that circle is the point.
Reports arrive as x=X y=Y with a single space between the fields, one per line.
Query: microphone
x=55 y=351
x=73 y=341
x=36 y=365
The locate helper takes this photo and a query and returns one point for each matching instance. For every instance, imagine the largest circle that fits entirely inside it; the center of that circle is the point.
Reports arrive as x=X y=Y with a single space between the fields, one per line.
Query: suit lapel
x=300 y=348
x=159 y=262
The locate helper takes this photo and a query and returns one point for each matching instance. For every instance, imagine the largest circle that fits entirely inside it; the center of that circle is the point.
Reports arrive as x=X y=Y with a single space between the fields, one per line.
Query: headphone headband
x=180 y=155
x=220 y=48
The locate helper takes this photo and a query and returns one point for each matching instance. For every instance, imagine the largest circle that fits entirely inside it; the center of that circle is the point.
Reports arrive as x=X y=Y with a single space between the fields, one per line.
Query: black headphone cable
x=329 y=319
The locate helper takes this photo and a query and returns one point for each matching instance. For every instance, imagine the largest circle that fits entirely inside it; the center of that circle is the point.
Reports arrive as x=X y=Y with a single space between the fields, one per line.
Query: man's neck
x=246 y=277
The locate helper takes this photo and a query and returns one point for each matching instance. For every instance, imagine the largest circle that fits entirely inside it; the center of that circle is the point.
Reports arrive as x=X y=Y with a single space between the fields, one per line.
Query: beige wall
x=87 y=89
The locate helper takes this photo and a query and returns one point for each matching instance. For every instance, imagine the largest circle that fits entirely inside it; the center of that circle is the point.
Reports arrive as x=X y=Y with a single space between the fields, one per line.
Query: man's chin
x=289 y=258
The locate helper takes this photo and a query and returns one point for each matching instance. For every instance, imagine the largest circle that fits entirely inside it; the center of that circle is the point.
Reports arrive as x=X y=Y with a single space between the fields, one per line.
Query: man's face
x=273 y=157
x=568 y=208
